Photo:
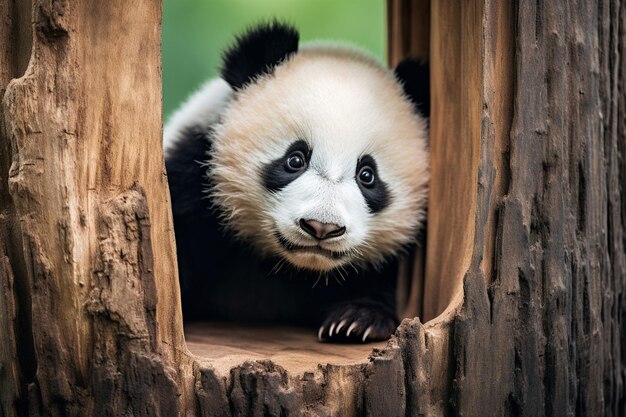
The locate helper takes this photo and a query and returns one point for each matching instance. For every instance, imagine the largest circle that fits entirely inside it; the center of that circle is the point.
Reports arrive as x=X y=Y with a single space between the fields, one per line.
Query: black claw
x=358 y=317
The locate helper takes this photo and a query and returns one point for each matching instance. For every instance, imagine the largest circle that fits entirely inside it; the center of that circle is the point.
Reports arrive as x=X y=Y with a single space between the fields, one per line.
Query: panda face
x=319 y=210
x=323 y=162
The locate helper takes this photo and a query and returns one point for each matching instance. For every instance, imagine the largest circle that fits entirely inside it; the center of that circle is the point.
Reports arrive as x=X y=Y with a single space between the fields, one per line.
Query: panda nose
x=321 y=230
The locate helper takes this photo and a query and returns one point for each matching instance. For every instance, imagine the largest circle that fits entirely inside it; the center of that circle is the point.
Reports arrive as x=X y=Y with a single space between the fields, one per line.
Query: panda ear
x=414 y=77
x=258 y=51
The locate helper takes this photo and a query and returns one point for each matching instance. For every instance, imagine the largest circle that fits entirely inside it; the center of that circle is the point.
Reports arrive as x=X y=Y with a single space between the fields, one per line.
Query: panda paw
x=357 y=323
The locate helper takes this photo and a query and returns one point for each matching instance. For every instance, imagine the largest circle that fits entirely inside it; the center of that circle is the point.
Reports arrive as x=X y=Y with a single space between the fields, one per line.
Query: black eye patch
x=282 y=171
x=376 y=194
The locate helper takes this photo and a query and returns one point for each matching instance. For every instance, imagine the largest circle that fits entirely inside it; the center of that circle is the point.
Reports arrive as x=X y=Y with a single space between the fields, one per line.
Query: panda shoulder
x=198 y=113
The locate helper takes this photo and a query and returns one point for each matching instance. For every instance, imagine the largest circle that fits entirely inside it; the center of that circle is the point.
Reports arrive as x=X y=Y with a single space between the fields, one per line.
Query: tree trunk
x=82 y=132
x=522 y=308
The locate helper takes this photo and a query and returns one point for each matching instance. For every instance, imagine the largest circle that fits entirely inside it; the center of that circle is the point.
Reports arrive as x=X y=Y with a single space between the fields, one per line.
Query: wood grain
x=81 y=150
x=17 y=365
x=544 y=325
x=525 y=288
x=408 y=30
x=225 y=346
x=455 y=134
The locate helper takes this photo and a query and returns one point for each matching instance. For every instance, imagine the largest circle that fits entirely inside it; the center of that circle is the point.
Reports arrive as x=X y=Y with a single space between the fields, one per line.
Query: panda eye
x=295 y=162
x=366 y=176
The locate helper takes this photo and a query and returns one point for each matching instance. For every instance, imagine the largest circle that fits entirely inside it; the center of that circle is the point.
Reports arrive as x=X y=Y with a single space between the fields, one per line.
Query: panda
x=297 y=179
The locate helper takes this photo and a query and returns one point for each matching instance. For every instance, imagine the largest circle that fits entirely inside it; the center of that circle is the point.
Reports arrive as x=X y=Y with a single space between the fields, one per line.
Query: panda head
x=320 y=157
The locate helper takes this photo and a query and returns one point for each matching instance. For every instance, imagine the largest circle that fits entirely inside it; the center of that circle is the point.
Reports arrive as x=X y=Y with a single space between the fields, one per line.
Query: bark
x=537 y=333
x=523 y=303
x=16 y=356
x=78 y=125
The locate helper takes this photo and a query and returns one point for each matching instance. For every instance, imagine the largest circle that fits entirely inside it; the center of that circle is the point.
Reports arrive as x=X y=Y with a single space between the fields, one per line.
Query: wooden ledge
x=224 y=346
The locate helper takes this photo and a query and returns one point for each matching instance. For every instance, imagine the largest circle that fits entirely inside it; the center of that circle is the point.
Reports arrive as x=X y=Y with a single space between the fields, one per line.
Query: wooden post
x=523 y=304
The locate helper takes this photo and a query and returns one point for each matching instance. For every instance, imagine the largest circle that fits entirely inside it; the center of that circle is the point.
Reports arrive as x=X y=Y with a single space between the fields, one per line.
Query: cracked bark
x=524 y=298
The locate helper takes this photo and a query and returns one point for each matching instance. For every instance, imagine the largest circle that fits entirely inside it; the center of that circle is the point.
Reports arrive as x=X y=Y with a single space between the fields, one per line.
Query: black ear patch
x=415 y=80
x=257 y=52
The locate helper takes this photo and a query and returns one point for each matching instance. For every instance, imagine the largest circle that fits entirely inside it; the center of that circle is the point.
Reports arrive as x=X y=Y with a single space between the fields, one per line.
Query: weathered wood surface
x=528 y=281
x=541 y=332
x=16 y=367
x=81 y=160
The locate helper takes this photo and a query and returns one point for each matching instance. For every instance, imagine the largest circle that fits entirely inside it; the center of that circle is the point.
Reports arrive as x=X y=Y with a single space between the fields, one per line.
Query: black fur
x=257 y=52
x=414 y=77
x=186 y=172
x=373 y=313
x=276 y=176
x=377 y=197
x=224 y=279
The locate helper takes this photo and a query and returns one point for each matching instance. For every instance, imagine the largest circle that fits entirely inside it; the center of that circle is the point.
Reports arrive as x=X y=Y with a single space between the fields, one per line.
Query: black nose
x=321 y=230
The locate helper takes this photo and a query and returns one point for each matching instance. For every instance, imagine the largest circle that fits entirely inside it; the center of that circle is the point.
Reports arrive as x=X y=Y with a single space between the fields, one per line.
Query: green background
x=196 y=31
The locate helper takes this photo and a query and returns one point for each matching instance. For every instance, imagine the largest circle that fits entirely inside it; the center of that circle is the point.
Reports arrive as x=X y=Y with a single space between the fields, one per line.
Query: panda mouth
x=313 y=249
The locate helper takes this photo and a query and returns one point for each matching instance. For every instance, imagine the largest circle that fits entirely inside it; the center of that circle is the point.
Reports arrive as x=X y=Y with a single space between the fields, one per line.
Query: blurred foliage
x=196 y=31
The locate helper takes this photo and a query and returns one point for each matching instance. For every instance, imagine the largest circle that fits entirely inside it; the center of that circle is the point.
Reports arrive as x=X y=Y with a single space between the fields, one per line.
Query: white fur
x=201 y=110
